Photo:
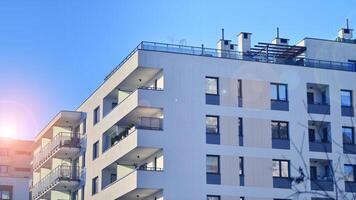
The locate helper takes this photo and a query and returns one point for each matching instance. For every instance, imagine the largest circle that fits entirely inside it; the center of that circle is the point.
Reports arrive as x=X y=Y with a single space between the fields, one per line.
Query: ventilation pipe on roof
x=345 y=33
x=225 y=45
x=278 y=40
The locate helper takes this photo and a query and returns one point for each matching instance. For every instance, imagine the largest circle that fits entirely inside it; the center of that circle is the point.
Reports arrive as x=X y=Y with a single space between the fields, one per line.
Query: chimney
x=278 y=40
x=345 y=33
x=244 y=42
x=225 y=45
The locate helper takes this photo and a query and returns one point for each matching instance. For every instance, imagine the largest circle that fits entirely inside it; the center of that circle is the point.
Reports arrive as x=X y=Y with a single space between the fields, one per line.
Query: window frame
x=278 y=85
x=280 y=168
x=240 y=126
x=94 y=185
x=351 y=99
x=353 y=172
x=96 y=115
x=217 y=85
x=96 y=150
x=279 y=129
x=218 y=124
x=215 y=156
x=352 y=136
x=241 y=166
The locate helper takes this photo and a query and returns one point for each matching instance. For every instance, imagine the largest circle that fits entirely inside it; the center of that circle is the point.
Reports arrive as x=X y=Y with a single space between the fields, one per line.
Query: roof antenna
x=347 y=23
x=277 y=32
x=222 y=33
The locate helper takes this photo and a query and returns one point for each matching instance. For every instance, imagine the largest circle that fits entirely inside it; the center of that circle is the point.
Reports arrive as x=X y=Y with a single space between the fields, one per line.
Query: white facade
x=144 y=132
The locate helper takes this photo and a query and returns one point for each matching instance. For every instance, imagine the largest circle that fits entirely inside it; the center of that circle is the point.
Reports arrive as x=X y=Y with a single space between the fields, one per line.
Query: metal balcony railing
x=62 y=139
x=61 y=173
x=210 y=52
x=146 y=123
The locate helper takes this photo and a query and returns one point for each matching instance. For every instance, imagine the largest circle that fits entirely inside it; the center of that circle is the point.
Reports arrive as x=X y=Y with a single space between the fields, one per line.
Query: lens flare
x=7 y=130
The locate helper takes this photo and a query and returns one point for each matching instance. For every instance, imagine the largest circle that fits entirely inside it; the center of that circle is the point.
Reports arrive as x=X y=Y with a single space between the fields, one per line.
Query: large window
x=280 y=168
x=95 y=185
x=348 y=135
x=213 y=164
x=95 y=150
x=349 y=173
x=213 y=197
x=212 y=85
x=280 y=130
x=212 y=124
x=279 y=92
x=96 y=115
x=346 y=98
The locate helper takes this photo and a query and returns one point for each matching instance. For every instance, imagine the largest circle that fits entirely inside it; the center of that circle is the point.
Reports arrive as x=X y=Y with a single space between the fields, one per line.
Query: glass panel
x=211 y=124
x=275 y=134
x=212 y=164
x=213 y=198
x=283 y=130
x=349 y=173
x=284 y=169
x=5 y=195
x=274 y=94
x=275 y=168
x=211 y=85
x=346 y=98
x=347 y=135
x=282 y=89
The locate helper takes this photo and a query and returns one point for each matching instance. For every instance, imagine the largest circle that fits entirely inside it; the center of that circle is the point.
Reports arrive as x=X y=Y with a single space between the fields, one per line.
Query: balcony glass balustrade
x=63 y=176
x=61 y=140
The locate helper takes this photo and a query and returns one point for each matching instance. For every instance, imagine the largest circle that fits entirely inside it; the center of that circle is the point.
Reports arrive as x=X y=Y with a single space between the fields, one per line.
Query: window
x=4 y=169
x=240 y=126
x=5 y=195
x=83 y=159
x=95 y=150
x=349 y=172
x=280 y=168
x=212 y=124
x=280 y=130
x=241 y=166
x=212 y=85
x=245 y=35
x=95 y=185
x=279 y=92
x=212 y=164
x=242 y=198
x=348 y=135
x=113 y=177
x=213 y=197
x=346 y=98
x=239 y=88
x=96 y=115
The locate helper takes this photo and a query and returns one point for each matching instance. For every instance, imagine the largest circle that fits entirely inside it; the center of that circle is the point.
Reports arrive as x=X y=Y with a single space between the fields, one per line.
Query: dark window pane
x=212 y=124
x=346 y=97
x=348 y=135
x=212 y=164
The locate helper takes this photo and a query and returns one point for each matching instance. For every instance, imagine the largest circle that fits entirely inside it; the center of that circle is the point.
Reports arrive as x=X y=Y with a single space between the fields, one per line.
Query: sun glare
x=7 y=130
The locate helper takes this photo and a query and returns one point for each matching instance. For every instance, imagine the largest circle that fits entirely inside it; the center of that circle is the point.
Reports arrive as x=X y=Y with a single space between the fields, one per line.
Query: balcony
x=137 y=184
x=217 y=53
x=63 y=145
x=62 y=178
x=318 y=99
x=321 y=175
x=319 y=136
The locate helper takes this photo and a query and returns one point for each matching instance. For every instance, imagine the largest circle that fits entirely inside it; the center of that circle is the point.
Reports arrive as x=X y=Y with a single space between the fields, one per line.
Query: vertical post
x=222 y=33
x=202 y=49
x=347 y=23
x=277 y=32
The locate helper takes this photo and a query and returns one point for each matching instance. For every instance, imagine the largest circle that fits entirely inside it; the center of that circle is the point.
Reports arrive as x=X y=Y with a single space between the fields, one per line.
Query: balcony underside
x=61 y=185
x=61 y=153
x=139 y=194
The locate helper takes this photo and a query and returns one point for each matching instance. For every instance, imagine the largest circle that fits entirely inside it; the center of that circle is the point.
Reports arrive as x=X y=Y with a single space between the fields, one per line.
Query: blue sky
x=53 y=54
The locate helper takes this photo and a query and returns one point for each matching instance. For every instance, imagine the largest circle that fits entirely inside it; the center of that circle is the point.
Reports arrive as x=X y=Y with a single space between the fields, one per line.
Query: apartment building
x=15 y=168
x=264 y=122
